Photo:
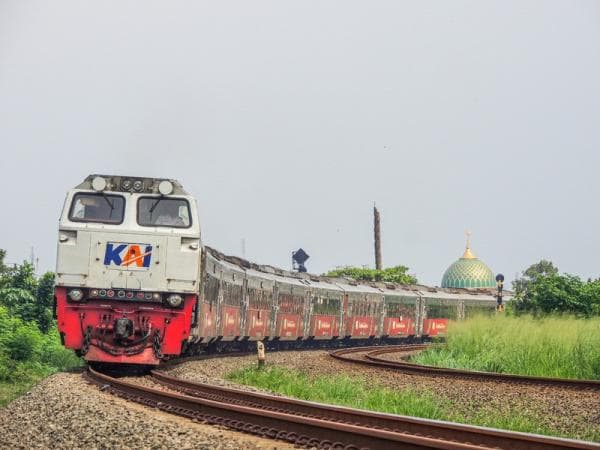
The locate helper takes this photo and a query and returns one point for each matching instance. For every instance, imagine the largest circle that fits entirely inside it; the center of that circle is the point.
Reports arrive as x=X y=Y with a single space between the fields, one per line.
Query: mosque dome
x=468 y=272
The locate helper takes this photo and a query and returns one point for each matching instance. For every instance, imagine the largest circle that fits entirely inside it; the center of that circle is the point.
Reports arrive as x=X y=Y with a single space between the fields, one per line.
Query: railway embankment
x=65 y=411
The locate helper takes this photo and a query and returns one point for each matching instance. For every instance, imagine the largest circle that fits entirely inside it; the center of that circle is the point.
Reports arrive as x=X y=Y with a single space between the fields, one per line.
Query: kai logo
x=129 y=256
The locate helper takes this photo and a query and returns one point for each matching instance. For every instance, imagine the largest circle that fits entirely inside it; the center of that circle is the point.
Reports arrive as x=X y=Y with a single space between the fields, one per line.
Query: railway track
x=317 y=425
x=372 y=356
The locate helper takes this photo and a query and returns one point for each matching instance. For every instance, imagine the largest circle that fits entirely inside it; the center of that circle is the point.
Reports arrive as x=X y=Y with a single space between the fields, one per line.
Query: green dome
x=468 y=272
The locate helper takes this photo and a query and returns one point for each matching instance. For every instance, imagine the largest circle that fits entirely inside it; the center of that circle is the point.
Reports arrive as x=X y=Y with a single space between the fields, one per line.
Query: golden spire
x=468 y=254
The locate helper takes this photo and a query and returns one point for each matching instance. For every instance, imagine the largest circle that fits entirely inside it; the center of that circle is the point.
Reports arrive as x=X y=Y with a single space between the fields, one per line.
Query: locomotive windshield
x=163 y=212
x=101 y=208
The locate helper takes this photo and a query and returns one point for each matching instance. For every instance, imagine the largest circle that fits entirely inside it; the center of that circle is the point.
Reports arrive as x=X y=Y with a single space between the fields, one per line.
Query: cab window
x=103 y=208
x=163 y=212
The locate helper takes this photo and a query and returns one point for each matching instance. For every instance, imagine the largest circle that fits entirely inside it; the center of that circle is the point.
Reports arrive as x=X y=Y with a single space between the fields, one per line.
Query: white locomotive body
x=131 y=240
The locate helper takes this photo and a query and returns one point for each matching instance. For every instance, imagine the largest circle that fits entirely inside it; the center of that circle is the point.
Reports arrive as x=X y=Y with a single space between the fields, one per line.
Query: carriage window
x=440 y=309
x=403 y=308
x=211 y=289
x=232 y=293
x=103 y=208
x=259 y=299
x=363 y=306
x=325 y=305
x=163 y=212
x=291 y=304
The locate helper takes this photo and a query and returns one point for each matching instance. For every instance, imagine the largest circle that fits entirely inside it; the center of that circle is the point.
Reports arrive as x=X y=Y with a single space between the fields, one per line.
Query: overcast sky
x=287 y=120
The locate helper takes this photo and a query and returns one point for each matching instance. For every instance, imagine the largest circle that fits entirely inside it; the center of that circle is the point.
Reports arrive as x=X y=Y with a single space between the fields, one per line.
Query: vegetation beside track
x=356 y=393
x=541 y=289
x=552 y=346
x=28 y=355
x=30 y=347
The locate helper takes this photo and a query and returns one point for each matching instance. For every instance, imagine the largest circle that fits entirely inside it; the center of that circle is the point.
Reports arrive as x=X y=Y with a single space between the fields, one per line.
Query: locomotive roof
x=115 y=183
x=349 y=284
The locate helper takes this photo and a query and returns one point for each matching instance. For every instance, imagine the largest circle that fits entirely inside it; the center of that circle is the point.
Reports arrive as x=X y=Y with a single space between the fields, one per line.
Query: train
x=135 y=285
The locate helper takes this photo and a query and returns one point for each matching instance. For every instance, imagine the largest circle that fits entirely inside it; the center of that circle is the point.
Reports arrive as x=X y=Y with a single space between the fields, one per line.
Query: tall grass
x=353 y=392
x=341 y=390
x=563 y=347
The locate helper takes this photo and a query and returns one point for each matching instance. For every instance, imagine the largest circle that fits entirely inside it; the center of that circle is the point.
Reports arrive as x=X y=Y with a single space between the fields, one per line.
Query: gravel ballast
x=64 y=411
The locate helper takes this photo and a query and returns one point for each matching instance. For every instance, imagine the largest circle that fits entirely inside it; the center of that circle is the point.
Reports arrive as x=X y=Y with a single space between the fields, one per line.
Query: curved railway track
x=311 y=424
x=371 y=356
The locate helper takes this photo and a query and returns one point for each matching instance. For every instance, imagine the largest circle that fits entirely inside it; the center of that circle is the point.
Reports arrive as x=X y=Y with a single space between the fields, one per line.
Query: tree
x=542 y=289
x=26 y=296
x=532 y=273
x=591 y=294
x=3 y=267
x=555 y=294
x=396 y=274
x=45 y=301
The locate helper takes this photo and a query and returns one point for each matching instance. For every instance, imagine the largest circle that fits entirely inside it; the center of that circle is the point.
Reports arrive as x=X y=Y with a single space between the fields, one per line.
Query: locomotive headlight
x=138 y=185
x=98 y=184
x=174 y=300
x=165 y=187
x=76 y=295
x=126 y=185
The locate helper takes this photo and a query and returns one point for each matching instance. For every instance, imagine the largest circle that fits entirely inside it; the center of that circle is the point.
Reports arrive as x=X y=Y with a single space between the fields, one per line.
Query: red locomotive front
x=122 y=326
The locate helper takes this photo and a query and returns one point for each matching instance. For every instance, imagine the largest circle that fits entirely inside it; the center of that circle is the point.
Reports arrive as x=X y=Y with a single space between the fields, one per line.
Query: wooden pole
x=260 y=350
x=377 y=230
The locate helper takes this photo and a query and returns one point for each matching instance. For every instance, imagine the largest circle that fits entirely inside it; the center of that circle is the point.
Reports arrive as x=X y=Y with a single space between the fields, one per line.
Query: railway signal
x=500 y=284
x=299 y=257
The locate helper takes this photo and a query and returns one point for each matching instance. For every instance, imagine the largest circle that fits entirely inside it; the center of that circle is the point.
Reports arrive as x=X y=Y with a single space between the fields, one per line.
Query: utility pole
x=377 y=230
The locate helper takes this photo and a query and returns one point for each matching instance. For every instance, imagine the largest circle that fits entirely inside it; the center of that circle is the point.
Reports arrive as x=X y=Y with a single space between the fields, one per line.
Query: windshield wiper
x=155 y=204
x=105 y=197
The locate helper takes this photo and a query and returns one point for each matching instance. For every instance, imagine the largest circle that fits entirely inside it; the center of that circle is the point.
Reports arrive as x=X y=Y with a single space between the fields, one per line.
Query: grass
x=356 y=393
x=11 y=390
x=20 y=376
x=562 y=347
x=341 y=390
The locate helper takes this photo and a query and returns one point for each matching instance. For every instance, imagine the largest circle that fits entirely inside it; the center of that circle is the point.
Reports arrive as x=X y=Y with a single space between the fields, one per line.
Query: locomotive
x=135 y=285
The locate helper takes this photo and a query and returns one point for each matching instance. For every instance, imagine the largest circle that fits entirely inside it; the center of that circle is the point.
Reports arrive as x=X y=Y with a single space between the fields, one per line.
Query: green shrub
x=27 y=354
x=397 y=274
x=5 y=368
x=30 y=347
x=54 y=355
x=24 y=342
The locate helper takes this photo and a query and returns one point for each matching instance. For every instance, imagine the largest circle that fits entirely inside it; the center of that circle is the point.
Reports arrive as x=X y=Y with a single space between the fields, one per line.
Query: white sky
x=288 y=119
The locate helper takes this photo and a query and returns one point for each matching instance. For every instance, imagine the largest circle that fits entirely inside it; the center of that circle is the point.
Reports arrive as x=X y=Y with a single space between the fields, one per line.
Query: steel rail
x=302 y=431
x=371 y=358
x=346 y=429
x=441 y=434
